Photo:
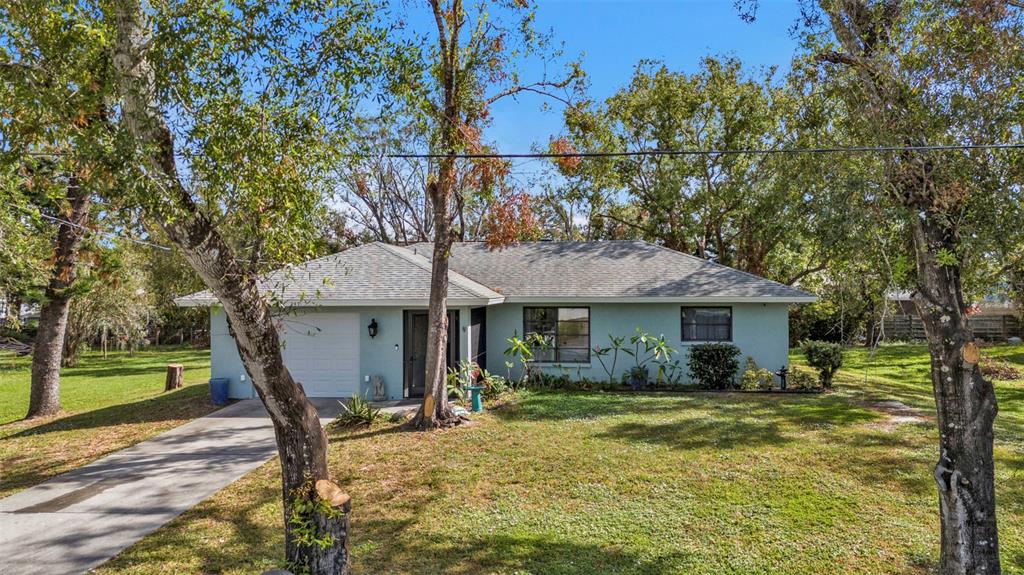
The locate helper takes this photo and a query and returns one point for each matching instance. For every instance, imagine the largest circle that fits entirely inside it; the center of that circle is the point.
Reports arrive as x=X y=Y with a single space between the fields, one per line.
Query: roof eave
x=392 y=302
x=662 y=299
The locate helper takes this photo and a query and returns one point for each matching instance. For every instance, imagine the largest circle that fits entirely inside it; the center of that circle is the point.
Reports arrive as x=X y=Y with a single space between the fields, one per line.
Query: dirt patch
x=895 y=413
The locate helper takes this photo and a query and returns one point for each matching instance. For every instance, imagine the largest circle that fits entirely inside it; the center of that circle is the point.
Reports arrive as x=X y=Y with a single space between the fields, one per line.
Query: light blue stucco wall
x=224 y=359
x=759 y=330
x=381 y=355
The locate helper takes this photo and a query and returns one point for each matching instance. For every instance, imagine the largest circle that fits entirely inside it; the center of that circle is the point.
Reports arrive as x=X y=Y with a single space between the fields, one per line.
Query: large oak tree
x=914 y=73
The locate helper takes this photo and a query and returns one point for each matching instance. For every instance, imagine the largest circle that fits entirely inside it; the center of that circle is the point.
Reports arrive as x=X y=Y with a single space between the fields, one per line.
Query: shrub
x=800 y=379
x=638 y=377
x=755 y=377
x=714 y=365
x=494 y=385
x=826 y=357
x=357 y=412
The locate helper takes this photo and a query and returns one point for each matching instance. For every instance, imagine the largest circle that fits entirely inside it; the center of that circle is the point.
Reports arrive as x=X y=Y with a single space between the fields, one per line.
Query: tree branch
x=536 y=88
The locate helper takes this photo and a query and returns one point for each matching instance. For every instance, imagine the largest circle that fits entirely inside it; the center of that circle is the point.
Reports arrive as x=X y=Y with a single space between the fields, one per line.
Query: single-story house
x=362 y=312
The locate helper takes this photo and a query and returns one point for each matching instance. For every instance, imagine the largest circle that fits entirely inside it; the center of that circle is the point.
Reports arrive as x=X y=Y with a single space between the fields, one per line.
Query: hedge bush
x=826 y=357
x=714 y=365
x=755 y=377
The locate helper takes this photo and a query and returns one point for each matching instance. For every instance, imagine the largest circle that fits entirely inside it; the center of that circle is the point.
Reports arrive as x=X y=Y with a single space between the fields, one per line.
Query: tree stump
x=175 y=376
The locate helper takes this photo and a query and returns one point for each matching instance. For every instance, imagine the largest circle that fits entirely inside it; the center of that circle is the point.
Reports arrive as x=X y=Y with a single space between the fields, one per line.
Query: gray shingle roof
x=369 y=273
x=380 y=274
x=607 y=269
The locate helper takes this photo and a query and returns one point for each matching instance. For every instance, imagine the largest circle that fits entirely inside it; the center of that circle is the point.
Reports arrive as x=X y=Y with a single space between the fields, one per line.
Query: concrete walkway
x=76 y=521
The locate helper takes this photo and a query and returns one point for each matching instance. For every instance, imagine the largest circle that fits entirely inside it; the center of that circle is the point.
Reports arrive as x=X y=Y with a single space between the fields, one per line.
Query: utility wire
x=723 y=152
x=636 y=153
x=110 y=235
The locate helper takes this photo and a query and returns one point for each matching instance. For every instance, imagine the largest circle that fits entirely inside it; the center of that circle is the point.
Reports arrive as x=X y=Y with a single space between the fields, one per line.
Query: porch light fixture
x=372 y=328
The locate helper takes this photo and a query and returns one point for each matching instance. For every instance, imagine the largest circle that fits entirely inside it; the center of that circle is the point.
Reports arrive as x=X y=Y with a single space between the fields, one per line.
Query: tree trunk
x=966 y=406
x=435 y=410
x=44 y=397
x=301 y=441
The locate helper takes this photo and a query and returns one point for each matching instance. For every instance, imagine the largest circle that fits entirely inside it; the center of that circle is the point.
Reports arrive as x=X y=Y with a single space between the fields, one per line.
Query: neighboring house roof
x=551 y=272
x=608 y=270
x=371 y=274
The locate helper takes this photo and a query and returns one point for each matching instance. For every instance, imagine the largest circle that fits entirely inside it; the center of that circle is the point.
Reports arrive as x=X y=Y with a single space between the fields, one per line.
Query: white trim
x=660 y=299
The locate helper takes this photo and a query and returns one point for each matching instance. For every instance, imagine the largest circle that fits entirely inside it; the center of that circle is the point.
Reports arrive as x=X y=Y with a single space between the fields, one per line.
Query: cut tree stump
x=175 y=376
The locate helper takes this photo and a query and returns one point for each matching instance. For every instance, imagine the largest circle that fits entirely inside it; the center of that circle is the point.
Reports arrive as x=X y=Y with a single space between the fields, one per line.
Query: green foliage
x=116 y=301
x=714 y=365
x=826 y=357
x=646 y=349
x=452 y=384
x=946 y=257
x=801 y=379
x=307 y=506
x=617 y=346
x=756 y=378
x=357 y=412
x=494 y=385
x=523 y=350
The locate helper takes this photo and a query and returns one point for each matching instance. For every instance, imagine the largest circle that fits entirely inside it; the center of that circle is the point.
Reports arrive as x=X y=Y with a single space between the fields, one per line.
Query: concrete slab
x=76 y=521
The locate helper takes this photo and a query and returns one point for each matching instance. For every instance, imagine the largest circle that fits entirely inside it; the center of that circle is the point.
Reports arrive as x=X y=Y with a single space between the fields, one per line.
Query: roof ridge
x=709 y=262
x=470 y=285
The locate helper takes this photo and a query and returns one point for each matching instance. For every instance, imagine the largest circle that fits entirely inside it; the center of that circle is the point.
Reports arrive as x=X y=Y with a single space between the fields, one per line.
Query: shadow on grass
x=336 y=433
x=699 y=433
x=187 y=402
x=504 y=553
x=564 y=405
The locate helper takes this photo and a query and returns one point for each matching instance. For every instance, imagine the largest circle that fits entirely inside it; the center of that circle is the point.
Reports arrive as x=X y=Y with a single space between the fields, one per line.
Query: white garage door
x=321 y=350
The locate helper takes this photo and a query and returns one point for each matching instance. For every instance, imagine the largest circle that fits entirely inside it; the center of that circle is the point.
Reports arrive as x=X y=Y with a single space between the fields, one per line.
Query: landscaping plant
x=646 y=349
x=357 y=411
x=800 y=379
x=616 y=347
x=714 y=365
x=824 y=356
x=494 y=385
x=755 y=377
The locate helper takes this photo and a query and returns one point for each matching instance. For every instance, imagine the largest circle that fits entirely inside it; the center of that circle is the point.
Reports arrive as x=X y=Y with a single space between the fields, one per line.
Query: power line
x=110 y=235
x=636 y=153
x=713 y=152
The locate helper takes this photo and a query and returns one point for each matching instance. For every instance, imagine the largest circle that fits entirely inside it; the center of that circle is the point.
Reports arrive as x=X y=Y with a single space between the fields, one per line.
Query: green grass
x=108 y=404
x=617 y=483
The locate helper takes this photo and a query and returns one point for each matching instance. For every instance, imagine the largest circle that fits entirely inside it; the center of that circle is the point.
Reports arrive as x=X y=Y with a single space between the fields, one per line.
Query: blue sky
x=613 y=35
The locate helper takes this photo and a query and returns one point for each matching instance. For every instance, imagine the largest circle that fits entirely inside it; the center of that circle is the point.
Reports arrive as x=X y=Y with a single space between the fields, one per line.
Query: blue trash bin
x=219 y=390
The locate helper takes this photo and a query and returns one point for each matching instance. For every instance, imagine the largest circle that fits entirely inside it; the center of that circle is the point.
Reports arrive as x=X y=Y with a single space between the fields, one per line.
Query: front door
x=416 y=324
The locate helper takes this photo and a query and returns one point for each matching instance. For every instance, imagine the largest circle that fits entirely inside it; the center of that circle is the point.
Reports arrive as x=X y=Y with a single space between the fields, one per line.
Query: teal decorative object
x=478 y=400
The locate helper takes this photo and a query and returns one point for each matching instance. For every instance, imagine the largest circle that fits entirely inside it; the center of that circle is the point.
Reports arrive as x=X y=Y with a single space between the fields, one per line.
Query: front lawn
x=618 y=483
x=109 y=404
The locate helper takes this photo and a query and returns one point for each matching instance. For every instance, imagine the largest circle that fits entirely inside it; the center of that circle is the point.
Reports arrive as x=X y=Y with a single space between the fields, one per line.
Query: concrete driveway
x=76 y=521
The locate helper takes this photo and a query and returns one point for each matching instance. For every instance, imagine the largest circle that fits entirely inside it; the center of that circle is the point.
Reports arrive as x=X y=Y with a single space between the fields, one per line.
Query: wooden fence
x=987 y=327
